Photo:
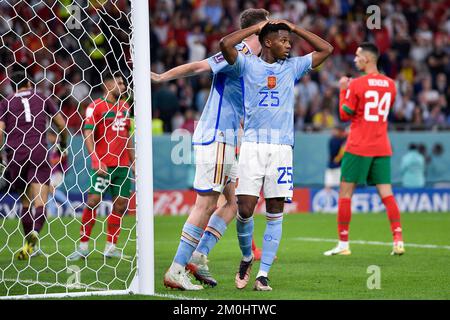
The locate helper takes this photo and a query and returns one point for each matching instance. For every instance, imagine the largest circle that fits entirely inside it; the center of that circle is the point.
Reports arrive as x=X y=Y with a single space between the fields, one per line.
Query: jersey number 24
x=382 y=106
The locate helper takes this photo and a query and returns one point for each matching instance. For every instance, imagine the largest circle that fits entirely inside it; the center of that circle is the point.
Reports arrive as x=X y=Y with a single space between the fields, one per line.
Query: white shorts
x=215 y=166
x=268 y=166
x=332 y=177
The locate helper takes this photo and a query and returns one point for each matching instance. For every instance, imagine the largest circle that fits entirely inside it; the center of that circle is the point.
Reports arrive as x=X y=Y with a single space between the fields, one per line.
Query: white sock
x=343 y=244
x=247 y=259
x=84 y=246
x=261 y=274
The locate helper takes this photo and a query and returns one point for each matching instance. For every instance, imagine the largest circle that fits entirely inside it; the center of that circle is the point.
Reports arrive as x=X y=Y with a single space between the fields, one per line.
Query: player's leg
x=114 y=225
x=27 y=223
x=219 y=220
x=37 y=178
x=209 y=160
x=99 y=184
x=119 y=187
x=354 y=171
x=16 y=177
x=176 y=276
x=251 y=170
x=244 y=228
x=38 y=194
x=271 y=241
x=278 y=185
x=59 y=196
x=380 y=175
x=214 y=231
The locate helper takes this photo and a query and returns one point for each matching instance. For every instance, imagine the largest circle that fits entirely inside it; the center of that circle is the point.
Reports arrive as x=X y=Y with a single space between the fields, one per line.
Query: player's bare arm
x=322 y=48
x=185 y=70
x=89 y=142
x=344 y=83
x=228 y=43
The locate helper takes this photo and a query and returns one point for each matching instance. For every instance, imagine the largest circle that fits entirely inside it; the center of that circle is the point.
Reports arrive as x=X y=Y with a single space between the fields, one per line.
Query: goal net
x=74 y=90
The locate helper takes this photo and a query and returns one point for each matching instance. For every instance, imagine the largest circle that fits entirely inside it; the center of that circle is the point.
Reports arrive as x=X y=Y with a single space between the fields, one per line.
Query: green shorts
x=117 y=182
x=366 y=170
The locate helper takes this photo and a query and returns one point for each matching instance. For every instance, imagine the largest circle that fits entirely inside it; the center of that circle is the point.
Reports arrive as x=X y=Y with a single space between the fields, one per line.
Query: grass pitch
x=301 y=271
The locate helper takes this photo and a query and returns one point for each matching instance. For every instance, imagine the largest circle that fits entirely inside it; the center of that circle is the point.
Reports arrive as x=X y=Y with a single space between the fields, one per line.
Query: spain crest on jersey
x=271 y=82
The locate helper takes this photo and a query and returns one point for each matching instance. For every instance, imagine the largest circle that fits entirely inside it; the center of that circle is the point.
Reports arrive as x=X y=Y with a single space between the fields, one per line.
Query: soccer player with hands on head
x=266 y=152
x=214 y=143
x=366 y=102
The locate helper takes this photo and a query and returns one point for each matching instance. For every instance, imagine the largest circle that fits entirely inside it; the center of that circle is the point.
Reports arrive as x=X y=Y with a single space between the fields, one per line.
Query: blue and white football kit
x=265 y=159
x=215 y=135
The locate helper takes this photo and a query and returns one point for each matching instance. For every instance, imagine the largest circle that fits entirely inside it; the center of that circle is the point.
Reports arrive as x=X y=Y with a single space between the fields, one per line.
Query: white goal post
x=139 y=277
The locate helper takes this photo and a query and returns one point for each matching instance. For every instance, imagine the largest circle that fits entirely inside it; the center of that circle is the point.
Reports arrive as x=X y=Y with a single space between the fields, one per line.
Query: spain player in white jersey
x=214 y=143
x=265 y=160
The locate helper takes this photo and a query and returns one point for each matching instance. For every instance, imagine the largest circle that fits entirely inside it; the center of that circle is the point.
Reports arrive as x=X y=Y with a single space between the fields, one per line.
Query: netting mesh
x=66 y=49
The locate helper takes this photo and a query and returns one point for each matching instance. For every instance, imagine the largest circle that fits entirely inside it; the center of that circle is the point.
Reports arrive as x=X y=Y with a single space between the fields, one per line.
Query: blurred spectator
x=204 y=85
x=423 y=151
x=308 y=90
x=438 y=166
x=165 y=100
x=157 y=123
x=436 y=117
x=336 y=148
x=418 y=121
x=177 y=121
x=195 y=43
x=438 y=59
x=412 y=168
x=414 y=42
x=323 y=119
x=189 y=121
x=404 y=108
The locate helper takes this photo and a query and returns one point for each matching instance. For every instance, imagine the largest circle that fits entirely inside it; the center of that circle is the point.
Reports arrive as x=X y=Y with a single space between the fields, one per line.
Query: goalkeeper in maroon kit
x=23 y=119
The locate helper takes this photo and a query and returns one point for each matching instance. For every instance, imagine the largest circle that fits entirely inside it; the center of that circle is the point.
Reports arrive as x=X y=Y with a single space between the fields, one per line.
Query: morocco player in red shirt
x=108 y=142
x=366 y=102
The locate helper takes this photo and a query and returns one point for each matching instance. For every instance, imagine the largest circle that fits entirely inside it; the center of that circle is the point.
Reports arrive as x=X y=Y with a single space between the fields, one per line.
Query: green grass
x=301 y=271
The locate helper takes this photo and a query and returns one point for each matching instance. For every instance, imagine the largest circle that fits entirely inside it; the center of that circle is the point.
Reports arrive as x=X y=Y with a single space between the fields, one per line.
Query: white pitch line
x=53 y=284
x=375 y=243
x=173 y=296
x=85 y=286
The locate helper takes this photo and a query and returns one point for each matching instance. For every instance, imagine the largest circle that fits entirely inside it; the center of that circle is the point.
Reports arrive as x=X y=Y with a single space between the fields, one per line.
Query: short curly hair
x=252 y=16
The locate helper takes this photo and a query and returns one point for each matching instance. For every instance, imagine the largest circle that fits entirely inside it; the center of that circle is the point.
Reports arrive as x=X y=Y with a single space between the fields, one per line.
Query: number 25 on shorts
x=285 y=175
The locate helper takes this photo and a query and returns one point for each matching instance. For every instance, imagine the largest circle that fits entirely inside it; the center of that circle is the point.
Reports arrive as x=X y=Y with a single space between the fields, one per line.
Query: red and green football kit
x=110 y=123
x=367 y=103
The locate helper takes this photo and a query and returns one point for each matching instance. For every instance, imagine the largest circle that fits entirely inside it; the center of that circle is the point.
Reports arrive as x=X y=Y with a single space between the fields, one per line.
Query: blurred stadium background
x=414 y=40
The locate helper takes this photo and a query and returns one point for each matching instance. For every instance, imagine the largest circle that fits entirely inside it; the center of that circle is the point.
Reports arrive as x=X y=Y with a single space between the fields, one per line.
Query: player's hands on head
x=344 y=82
x=282 y=21
x=261 y=25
